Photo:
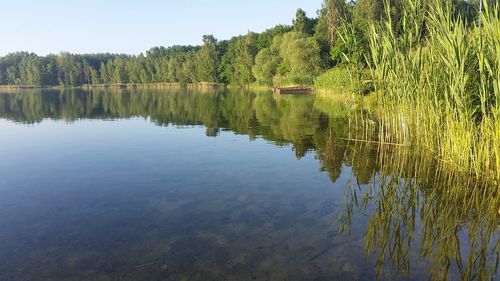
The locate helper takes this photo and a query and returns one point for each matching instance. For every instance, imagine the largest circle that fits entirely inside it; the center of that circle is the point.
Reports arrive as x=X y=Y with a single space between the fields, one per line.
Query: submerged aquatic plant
x=449 y=219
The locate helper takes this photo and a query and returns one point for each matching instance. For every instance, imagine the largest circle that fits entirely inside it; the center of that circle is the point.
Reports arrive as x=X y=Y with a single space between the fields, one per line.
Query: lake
x=227 y=185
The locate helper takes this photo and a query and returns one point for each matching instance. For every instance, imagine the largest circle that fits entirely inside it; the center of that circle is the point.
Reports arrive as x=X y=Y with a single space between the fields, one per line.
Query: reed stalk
x=438 y=80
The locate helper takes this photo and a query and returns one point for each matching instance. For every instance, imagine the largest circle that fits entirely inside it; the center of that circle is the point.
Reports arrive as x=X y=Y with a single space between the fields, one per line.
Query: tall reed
x=438 y=79
x=453 y=228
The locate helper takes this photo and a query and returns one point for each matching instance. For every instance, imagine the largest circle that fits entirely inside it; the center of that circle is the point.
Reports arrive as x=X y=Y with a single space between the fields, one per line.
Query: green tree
x=70 y=69
x=301 y=53
x=265 y=39
x=208 y=60
x=103 y=69
x=245 y=59
x=13 y=75
x=133 y=67
x=49 y=70
x=175 y=65
x=266 y=65
x=301 y=23
x=30 y=70
x=94 y=76
x=120 y=74
x=237 y=62
x=189 y=67
x=331 y=17
x=366 y=12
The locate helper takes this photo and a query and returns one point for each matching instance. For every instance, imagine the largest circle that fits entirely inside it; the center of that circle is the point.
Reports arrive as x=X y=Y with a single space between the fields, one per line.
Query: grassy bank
x=335 y=80
x=342 y=80
x=21 y=87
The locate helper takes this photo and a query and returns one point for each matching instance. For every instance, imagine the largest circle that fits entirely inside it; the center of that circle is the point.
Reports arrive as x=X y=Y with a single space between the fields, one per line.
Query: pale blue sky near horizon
x=132 y=27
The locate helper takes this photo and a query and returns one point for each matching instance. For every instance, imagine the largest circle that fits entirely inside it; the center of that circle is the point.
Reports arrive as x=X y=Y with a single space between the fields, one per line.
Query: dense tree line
x=278 y=120
x=302 y=50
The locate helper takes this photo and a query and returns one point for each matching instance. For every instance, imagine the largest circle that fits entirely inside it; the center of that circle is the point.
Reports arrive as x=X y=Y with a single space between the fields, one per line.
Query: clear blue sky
x=132 y=27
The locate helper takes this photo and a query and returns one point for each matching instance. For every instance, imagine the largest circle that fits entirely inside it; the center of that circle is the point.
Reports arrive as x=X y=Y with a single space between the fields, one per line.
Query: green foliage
x=189 y=68
x=441 y=84
x=303 y=24
x=265 y=39
x=266 y=65
x=293 y=80
x=336 y=79
x=207 y=61
x=367 y=12
x=331 y=17
x=294 y=55
x=235 y=61
x=301 y=53
x=239 y=59
x=245 y=59
x=340 y=35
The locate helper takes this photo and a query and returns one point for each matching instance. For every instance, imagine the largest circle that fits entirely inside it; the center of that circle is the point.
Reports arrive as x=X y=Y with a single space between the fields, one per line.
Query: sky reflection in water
x=166 y=185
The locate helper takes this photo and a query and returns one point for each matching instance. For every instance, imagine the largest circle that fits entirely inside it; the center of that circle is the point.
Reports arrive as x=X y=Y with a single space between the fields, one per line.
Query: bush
x=339 y=79
x=336 y=79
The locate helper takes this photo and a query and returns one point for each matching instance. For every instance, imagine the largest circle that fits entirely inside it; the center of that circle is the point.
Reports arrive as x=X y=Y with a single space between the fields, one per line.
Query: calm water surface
x=176 y=185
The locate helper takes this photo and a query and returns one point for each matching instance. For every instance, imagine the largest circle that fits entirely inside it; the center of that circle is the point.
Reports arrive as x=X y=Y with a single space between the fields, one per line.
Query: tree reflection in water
x=418 y=207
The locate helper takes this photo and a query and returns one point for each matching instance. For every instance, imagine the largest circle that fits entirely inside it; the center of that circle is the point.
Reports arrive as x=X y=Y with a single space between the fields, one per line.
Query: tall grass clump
x=336 y=79
x=438 y=79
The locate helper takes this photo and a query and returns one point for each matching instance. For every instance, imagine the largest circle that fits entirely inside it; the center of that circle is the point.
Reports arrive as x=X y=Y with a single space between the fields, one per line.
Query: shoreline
x=200 y=85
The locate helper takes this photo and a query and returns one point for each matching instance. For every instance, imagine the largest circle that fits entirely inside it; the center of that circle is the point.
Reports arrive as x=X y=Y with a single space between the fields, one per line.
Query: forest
x=284 y=54
x=432 y=68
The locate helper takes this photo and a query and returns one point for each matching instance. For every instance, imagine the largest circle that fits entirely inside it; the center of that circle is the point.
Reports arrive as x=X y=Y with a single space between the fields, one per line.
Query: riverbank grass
x=440 y=88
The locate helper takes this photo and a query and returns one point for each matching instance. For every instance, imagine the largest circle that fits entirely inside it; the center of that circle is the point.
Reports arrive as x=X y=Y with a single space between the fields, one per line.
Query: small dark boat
x=292 y=90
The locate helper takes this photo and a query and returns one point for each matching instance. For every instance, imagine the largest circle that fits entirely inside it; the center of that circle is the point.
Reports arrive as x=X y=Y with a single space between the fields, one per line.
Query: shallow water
x=177 y=185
